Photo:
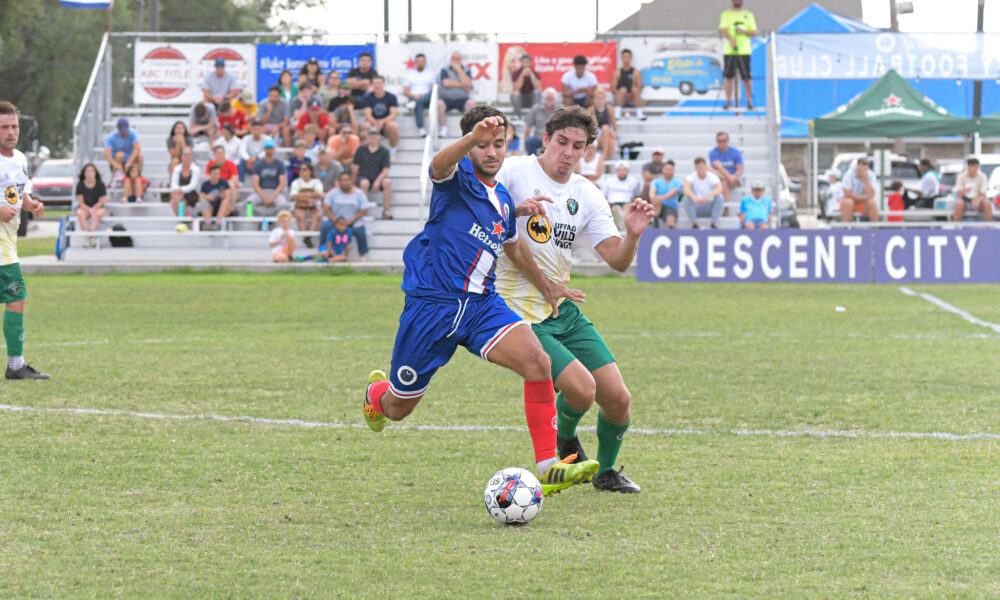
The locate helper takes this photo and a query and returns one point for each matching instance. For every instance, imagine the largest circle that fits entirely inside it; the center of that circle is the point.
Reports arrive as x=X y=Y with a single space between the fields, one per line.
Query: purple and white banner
x=841 y=256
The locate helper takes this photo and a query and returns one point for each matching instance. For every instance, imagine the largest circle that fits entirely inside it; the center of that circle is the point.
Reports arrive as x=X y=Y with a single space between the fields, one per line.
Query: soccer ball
x=513 y=496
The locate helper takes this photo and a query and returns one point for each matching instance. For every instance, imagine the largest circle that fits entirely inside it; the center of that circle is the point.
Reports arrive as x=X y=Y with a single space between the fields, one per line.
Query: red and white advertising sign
x=393 y=60
x=552 y=60
x=175 y=73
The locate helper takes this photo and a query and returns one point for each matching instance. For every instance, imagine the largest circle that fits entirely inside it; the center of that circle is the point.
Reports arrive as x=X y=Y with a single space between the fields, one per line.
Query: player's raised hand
x=532 y=207
x=487 y=130
x=638 y=215
x=556 y=290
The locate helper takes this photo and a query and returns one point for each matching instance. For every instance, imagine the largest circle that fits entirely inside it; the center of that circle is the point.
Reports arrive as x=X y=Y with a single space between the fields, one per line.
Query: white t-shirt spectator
x=621 y=191
x=251 y=148
x=833 y=197
x=314 y=184
x=703 y=187
x=970 y=187
x=276 y=235
x=929 y=185
x=233 y=147
x=576 y=83
x=420 y=82
x=193 y=184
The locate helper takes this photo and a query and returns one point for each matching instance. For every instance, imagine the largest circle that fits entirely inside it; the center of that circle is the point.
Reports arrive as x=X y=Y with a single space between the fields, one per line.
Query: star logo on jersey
x=11 y=194
x=539 y=229
x=572 y=205
x=498 y=229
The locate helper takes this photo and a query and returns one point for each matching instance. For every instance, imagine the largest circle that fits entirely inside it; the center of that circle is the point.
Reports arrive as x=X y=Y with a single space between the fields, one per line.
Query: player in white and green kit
x=583 y=369
x=16 y=189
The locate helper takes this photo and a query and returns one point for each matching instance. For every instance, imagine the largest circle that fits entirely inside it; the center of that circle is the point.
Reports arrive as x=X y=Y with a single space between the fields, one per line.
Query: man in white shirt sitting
x=929 y=188
x=703 y=194
x=417 y=84
x=620 y=189
x=579 y=85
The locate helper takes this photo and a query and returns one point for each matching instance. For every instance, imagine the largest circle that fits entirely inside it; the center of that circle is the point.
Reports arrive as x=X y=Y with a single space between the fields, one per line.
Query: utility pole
x=386 y=20
x=451 y=29
x=893 y=16
x=154 y=15
x=597 y=16
x=977 y=86
x=409 y=16
x=139 y=9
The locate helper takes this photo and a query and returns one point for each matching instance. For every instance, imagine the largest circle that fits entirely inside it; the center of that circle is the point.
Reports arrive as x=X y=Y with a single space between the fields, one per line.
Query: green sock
x=13 y=332
x=609 y=442
x=569 y=418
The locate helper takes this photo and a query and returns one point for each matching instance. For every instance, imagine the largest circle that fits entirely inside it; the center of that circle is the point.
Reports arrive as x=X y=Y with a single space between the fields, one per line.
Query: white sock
x=618 y=112
x=16 y=362
x=638 y=112
x=544 y=465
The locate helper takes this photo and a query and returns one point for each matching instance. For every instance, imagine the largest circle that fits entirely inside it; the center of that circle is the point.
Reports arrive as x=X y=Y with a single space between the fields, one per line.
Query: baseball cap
x=344 y=85
x=313 y=60
x=579 y=59
x=122 y=123
x=757 y=185
x=658 y=151
x=621 y=164
x=220 y=62
x=372 y=130
x=247 y=97
x=269 y=143
x=314 y=104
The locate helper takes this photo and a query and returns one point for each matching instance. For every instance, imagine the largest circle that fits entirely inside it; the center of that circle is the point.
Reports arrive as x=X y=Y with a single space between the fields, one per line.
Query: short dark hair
x=378 y=77
x=722 y=133
x=479 y=112
x=626 y=50
x=214 y=167
x=419 y=55
x=579 y=59
x=700 y=160
x=343 y=173
x=572 y=116
x=925 y=162
x=305 y=86
x=274 y=88
x=255 y=122
x=306 y=165
x=972 y=161
x=199 y=110
x=225 y=106
x=669 y=161
x=366 y=53
x=896 y=185
x=8 y=108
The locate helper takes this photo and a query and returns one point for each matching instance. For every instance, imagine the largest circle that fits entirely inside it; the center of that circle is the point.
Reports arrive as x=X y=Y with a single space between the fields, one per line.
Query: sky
x=574 y=20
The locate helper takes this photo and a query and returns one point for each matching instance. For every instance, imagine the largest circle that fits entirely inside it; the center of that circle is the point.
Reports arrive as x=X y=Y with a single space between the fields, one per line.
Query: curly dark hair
x=573 y=116
x=479 y=112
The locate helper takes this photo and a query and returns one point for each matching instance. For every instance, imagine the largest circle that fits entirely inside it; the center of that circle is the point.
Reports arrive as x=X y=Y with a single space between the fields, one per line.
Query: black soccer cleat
x=25 y=372
x=572 y=446
x=614 y=481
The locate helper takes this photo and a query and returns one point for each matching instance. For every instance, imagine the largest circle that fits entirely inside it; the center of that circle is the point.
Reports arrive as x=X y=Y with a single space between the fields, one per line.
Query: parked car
x=900 y=168
x=53 y=182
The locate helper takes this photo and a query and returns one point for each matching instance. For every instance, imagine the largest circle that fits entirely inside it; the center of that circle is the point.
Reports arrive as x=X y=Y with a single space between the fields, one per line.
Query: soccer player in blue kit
x=450 y=299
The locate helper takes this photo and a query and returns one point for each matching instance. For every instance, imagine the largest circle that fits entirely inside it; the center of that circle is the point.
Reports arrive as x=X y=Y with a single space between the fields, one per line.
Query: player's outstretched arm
x=618 y=252
x=484 y=132
x=520 y=255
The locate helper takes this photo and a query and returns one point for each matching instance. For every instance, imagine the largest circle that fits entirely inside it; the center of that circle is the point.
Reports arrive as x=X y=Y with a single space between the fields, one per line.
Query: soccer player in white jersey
x=16 y=194
x=583 y=369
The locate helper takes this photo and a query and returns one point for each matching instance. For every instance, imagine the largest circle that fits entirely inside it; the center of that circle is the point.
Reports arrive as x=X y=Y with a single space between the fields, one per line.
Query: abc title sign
x=884 y=256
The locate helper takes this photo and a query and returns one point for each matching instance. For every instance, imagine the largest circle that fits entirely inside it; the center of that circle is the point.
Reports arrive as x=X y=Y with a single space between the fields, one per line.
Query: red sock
x=375 y=393
x=540 y=410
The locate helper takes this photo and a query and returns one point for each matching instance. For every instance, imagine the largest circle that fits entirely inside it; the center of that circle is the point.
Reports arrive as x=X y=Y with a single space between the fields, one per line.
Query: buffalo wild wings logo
x=539 y=229
x=11 y=194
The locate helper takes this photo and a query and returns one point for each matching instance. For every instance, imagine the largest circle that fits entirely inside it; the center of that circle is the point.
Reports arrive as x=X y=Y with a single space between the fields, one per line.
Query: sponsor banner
x=272 y=59
x=174 y=73
x=870 y=55
x=842 y=256
x=676 y=68
x=552 y=60
x=393 y=60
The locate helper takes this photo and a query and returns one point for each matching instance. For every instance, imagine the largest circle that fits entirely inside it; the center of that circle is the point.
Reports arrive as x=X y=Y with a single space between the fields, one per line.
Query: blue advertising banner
x=272 y=59
x=841 y=256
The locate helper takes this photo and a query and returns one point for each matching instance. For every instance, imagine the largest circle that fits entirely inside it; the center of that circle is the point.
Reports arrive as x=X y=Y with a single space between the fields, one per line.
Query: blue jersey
x=456 y=253
x=756 y=210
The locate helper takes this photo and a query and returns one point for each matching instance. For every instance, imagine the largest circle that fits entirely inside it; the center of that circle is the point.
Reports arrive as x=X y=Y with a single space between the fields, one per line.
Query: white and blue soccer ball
x=513 y=496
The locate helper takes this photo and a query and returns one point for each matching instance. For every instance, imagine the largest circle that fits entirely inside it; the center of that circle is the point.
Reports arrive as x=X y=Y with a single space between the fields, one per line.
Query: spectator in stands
x=664 y=193
x=230 y=142
x=726 y=162
x=606 y=122
x=620 y=190
x=313 y=73
x=269 y=181
x=228 y=169
x=537 y=118
x=860 y=185
x=275 y=113
x=251 y=148
x=737 y=26
x=381 y=110
x=371 y=170
x=216 y=198
x=328 y=170
x=134 y=185
x=307 y=195
x=230 y=116
x=91 y=195
x=185 y=182
x=310 y=137
x=703 y=194
x=122 y=149
x=627 y=84
x=344 y=146
x=579 y=84
x=513 y=141
x=179 y=140
x=282 y=238
x=286 y=86
x=347 y=202
x=343 y=108
x=591 y=165
x=970 y=192
x=220 y=86
x=417 y=85
x=651 y=171
x=314 y=116
x=331 y=89
x=526 y=86
x=337 y=246
x=930 y=185
x=834 y=193
x=756 y=209
x=247 y=104
x=203 y=121
x=296 y=160
x=360 y=77
x=303 y=102
x=456 y=87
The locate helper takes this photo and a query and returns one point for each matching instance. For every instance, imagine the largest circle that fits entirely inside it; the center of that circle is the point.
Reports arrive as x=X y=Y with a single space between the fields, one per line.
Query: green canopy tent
x=989 y=126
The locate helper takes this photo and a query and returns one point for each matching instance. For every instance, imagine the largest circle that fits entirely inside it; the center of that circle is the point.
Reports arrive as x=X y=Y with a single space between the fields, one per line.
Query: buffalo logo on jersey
x=572 y=205
x=539 y=229
x=11 y=194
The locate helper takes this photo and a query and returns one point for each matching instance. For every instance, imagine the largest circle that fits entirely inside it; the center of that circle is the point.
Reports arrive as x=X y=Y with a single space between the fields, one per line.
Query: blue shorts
x=431 y=329
x=757 y=222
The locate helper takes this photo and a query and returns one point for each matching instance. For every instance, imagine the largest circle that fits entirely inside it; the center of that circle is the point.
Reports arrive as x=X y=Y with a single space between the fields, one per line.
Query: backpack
x=120 y=241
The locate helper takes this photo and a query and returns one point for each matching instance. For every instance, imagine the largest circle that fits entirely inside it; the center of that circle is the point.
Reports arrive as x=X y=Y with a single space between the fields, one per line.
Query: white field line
x=952 y=309
x=806 y=433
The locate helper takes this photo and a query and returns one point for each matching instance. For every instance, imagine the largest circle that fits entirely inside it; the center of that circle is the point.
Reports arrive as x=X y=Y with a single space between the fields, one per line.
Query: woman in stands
x=312 y=73
x=286 y=84
x=90 y=198
x=591 y=165
x=178 y=140
x=606 y=121
x=134 y=185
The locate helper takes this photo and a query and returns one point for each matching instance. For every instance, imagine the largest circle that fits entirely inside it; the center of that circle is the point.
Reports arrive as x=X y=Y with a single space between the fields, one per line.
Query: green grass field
x=122 y=505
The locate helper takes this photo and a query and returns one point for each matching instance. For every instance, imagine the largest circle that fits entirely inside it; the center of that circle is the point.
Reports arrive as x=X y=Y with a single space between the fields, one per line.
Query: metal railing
x=773 y=118
x=95 y=107
x=430 y=143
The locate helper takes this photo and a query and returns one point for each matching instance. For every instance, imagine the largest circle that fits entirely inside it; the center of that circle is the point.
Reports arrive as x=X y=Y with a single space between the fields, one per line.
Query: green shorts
x=572 y=337
x=12 y=286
